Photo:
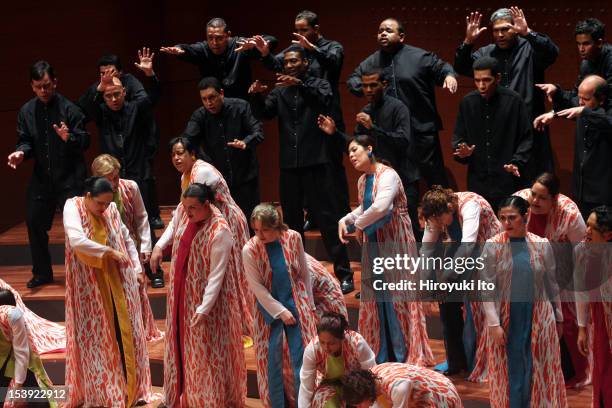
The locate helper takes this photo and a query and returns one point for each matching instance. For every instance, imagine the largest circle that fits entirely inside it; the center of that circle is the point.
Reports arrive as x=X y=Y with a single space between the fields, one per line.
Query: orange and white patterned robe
x=137 y=222
x=356 y=354
x=406 y=385
x=326 y=290
x=45 y=336
x=395 y=237
x=547 y=384
x=238 y=225
x=94 y=370
x=214 y=367
x=259 y=275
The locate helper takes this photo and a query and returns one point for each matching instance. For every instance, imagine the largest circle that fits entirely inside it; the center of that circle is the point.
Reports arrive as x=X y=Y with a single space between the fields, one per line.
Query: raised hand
x=520 y=23
x=245 y=44
x=543 y=120
x=145 y=56
x=15 y=159
x=548 y=89
x=262 y=45
x=302 y=41
x=364 y=120
x=283 y=81
x=326 y=124
x=62 y=131
x=257 y=87
x=450 y=83
x=571 y=113
x=237 y=144
x=172 y=50
x=473 y=30
x=463 y=150
x=512 y=169
x=106 y=79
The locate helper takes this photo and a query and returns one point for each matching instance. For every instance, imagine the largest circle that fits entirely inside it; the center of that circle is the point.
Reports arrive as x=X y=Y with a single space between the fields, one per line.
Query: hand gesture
x=497 y=335
x=245 y=44
x=571 y=113
x=520 y=23
x=543 y=120
x=463 y=150
x=364 y=120
x=302 y=42
x=119 y=257
x=326 y=124
x=172 y=50
x=62 y=131
x=146 y=61
x=583 y=341
x=257 y=87
x=473 y=30
x=237 y=144
x=450 y=83
x=549 y=90
x=106 y=79
x=197 y=319
x=512 y=169
x=342 y=232
x=15 y=159
x=262 y=45
x=283 y=81
x=287 y=318
x=156 y=258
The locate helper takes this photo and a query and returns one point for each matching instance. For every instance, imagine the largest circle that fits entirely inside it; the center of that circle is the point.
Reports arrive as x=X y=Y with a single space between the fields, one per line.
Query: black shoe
x=156 y=223
x=308 y=225
x=38 y=281
x=158 y=282
x=453 y=371
x=347 y=285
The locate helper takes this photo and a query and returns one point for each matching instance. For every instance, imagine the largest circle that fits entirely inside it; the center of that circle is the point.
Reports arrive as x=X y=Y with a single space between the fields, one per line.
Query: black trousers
x=149 y=196
x=451 y=316
x=246 y=196
x=314 y=184
x=430 y=159
x=41 y=203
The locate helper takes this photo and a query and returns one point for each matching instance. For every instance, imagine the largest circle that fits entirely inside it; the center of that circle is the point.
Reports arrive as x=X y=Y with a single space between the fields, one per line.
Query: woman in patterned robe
x=557 y=218
x=463 y=217
x=198 y=171
x=46 y=336
x=20 y=364
x=326 y=290
x=593 y=285
x=128 y=200
x=333 y=352
x=392 y=323
x=106 y=355
x=524 y=357
x=203 y=360
x=396 y=385
x=285 y=320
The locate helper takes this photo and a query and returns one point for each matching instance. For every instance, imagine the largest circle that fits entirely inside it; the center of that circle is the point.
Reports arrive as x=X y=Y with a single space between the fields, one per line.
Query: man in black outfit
x=51 y=130
x=127 y=130
x=492 y=135
x=222 y=56
x=133 y=91
x=297 y=101
x=592 y=171
x=522 y=56
x=413 y=75
x=228 y=132
x=325 y=58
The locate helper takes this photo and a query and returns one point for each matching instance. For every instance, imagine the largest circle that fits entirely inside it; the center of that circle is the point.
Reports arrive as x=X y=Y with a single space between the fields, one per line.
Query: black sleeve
x=464 y=58
x=331 y=58
x=153 y=91
x=546 y=51
x=400 y=134
x=194 y=53
x=522 y=153
x=272 y=62
x=354 y=81
x=460 y=134
x=79 y=137
x=438 y=68
x=252 y=127
x=193 y=131
x=25 y=140
x=318 y=91
x=265 y=107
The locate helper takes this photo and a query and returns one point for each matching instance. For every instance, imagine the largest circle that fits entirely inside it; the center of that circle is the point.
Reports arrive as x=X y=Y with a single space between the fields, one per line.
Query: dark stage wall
x=72 y=35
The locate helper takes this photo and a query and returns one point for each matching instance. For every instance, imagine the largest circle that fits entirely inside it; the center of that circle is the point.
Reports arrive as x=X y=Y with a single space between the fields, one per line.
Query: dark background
x=72 y=35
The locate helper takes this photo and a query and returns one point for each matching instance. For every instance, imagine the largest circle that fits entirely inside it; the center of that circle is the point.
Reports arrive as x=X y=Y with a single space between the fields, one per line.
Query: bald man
x=592 y=173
